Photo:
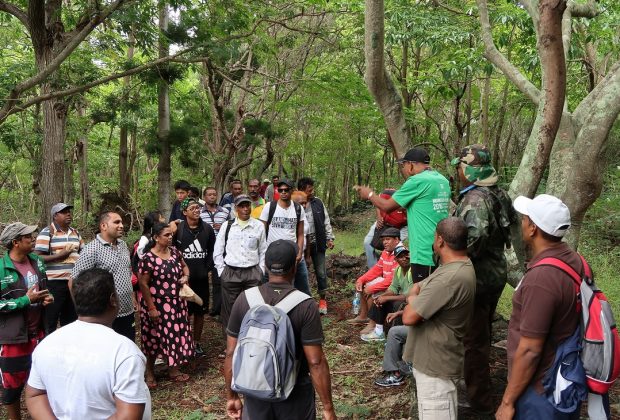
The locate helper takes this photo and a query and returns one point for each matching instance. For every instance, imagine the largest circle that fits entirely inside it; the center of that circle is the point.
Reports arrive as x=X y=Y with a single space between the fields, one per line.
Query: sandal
x=357 y=321
x=181 y=377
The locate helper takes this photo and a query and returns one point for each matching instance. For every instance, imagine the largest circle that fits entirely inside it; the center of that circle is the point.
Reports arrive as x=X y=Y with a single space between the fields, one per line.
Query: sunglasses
x=284 y=190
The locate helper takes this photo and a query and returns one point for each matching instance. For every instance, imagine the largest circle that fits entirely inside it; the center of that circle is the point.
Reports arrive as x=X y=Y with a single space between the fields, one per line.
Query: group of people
x=440 y=303
x=433 y=302
x=196 y=263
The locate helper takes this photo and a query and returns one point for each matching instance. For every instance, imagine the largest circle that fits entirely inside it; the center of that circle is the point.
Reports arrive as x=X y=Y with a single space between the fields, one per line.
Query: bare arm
x=410 y=316
x=300 y=240
x=54 y=257
x=234 y=407
x=524 y=364
x=366 y=193
x=38 y=404
x=127 y=411
x=321 y=379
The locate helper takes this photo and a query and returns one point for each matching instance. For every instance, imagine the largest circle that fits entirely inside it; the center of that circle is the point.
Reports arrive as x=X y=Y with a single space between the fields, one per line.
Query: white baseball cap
x=547 y=212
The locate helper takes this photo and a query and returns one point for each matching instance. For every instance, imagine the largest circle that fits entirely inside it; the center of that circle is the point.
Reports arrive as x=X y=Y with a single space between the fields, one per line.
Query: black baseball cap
x=280 y=256
x=286 y=182
x=390 y=232
x=417 y=154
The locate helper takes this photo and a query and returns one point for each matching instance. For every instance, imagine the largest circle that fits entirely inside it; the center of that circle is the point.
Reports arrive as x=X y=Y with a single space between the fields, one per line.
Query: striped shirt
x=219 y=216
x=115 y=259
x=59 y=269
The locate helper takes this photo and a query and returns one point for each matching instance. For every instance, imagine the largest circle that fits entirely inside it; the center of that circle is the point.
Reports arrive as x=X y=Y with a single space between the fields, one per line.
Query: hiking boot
x=198 y=350
x=391 y=379
x=373 y=336
x=322 y=307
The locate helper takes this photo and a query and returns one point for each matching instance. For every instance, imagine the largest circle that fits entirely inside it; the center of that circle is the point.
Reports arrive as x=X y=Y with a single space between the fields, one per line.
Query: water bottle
x=356 y=303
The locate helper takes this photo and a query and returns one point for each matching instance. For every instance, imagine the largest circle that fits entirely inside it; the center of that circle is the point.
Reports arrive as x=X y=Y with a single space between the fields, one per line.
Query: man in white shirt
x=85 y=370
x=239 y=254
x=284 y=219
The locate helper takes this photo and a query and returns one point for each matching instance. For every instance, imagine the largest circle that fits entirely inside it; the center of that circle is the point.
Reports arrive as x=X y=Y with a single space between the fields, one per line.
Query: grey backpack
x=264 y=364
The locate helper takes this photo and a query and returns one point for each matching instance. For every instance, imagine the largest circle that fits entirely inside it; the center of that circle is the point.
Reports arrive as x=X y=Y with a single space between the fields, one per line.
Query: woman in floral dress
x=163 y=314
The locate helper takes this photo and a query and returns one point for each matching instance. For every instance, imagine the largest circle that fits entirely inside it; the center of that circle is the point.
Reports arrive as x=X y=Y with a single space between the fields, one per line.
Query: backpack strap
x=291 y=300
x=297 y=210
x=230 y=222
x=52 y=232
x=272 y=209
x=253 y=296
x=561 y=265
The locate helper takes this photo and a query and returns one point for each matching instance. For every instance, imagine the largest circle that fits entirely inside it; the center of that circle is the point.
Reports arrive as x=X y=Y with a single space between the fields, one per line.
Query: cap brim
x=455 y=161
x=243 y=201
x=521 y=204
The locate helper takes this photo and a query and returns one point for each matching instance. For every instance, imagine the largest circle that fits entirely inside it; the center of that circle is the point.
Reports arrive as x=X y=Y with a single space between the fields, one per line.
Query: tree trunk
x=69 y=186
x=378 y=80
x=163 y=123
x=124 y=171
x=81 y=152
x=551 y=52
x=486 y=94
x=53 y=153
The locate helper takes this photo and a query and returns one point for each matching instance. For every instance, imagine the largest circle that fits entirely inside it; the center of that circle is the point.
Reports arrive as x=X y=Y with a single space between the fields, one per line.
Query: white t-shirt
x=83 y=366
x=284 y=222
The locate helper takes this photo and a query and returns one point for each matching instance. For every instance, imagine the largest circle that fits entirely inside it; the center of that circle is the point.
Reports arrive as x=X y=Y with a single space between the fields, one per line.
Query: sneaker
x=373 y=336
x=391 y=379
x=323 y=307
x=198 y=350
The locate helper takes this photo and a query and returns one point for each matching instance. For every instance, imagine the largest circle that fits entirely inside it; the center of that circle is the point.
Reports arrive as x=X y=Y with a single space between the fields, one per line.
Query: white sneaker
x=373 y=336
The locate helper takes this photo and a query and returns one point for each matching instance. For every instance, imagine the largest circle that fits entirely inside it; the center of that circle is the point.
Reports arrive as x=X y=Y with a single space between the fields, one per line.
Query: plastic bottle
x=356 y=303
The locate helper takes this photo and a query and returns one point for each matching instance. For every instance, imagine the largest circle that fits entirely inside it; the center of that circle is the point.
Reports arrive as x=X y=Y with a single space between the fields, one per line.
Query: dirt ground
x=353 y=364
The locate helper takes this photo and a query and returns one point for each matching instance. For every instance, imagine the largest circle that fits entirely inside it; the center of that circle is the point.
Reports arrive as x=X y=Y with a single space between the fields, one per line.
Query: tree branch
x=586 y=10
x=492 y=54
x=53 y=65
x=18 y=107
x=16 y=12
x=599 y=97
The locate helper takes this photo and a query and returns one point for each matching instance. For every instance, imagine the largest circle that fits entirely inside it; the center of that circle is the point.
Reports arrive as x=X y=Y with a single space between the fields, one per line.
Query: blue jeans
x=301 y=278
x=533 y=406
x=318 y=262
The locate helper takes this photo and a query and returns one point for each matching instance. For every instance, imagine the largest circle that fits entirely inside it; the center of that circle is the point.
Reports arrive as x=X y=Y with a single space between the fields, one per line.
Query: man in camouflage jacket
x=488 y=214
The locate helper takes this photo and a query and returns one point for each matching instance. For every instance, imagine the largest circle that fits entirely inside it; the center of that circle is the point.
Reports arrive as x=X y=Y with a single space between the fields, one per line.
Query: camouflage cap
x=475 y=160
x=187 y=202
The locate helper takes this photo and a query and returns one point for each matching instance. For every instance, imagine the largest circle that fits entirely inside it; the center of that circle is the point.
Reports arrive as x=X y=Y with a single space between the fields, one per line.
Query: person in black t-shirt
x=280 y=261
x=195 y=239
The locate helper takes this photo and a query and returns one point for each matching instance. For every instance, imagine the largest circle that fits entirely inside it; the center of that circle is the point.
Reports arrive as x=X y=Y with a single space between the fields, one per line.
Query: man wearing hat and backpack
x=487 y=211
x=285 y=219
x=305 y=320
x=544 y=310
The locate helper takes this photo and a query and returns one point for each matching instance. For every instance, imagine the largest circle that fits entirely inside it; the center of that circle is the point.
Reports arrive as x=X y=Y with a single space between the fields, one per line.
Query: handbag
x=188 y=294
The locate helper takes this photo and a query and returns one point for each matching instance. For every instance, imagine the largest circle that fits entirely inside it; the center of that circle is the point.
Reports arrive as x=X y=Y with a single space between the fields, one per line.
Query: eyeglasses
x=284 y=190
x=193 y=208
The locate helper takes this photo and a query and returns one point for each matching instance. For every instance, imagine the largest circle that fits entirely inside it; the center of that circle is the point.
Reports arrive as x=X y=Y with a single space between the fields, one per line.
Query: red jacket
x=383 y=268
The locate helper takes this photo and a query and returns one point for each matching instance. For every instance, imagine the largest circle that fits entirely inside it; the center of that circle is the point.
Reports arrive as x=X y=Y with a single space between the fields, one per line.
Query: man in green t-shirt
x=426 y=196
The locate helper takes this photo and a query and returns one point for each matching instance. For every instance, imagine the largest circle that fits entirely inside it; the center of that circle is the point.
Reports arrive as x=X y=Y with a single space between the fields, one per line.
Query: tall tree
x=163 y=119
x=575 y=163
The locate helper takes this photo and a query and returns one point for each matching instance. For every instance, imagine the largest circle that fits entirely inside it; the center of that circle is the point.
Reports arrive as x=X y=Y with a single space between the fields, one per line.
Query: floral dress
x=170 y=336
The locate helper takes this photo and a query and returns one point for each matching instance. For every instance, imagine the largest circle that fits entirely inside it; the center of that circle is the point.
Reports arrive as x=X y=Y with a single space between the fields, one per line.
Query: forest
x=105 y=104
x=108 y=103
